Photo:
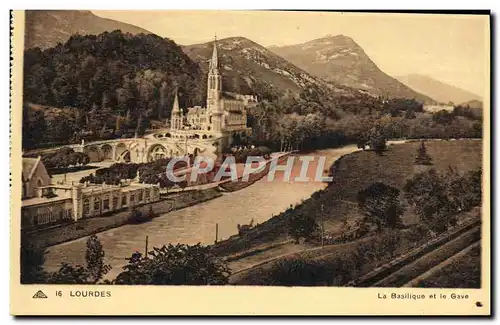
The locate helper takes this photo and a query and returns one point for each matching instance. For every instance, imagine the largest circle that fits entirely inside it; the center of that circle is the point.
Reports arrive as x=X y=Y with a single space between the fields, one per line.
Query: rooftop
x=136 y=186
x=97 y=188
x=29 y=165
x=42 y=200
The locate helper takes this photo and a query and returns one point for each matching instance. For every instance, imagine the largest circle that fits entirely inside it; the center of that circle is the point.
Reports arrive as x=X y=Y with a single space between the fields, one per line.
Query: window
x=97 y=204
x=68 y=214
x=105 y=204
x=124 y=200
x=132 y=198
x=146 y=195
x=140 y=196
x=115 y=202
x=86 y=207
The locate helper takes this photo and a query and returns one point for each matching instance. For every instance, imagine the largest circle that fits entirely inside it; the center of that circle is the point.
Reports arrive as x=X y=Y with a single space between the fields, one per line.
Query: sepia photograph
x=251 y=149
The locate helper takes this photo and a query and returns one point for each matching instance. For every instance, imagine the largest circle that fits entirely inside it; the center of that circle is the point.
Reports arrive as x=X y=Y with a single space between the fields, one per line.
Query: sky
x=449 y=48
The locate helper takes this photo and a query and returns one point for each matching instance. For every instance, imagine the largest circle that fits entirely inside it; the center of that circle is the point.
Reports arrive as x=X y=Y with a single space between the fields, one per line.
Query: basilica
x=225 y=114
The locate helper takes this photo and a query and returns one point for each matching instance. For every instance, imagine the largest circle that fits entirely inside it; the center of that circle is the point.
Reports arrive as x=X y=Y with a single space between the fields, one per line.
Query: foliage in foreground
x=168 y=265
x=33 y=258
x=175 y=265
x=438 y=198
x=336 y=270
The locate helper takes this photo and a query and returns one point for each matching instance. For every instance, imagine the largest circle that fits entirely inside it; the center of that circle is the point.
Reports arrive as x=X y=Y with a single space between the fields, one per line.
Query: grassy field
x=352 y=173
x=360 y=169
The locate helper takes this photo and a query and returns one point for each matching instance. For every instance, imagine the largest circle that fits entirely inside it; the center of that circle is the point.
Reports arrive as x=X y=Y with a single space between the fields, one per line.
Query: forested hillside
x=112 y=74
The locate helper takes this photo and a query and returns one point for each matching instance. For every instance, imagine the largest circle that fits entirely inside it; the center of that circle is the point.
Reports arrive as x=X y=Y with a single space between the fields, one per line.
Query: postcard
x=250 y=163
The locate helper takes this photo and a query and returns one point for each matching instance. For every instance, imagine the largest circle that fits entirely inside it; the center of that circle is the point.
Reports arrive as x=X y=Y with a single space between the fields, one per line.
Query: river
x=191 y=225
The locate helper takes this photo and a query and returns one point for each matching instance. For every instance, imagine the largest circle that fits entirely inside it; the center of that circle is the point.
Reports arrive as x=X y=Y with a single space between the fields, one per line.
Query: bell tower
x=214 y=82
x=176 y=115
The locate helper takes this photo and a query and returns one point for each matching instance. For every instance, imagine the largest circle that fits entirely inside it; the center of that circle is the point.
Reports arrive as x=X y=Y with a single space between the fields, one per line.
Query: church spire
x=176 y=103
x=214 y=63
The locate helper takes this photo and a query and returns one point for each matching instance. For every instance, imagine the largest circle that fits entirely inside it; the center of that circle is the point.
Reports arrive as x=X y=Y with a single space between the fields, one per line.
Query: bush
x=427 y=192
x=301 y=226
x=298 y=272
x=381 y=205
x=175 y=265
x=439 y=198
x=64 y=157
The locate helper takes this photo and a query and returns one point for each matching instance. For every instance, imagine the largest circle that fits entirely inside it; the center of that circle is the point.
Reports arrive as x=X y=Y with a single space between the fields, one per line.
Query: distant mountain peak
x=46 y=28
x=250 y=68
x=440 y=91
x=339 y=39
x=341 y=60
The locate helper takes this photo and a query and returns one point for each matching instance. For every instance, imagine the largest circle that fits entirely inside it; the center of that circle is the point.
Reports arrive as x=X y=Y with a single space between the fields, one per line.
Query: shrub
x=427 y=191
x=381 y=205
x=175 y=265
x=301 y=226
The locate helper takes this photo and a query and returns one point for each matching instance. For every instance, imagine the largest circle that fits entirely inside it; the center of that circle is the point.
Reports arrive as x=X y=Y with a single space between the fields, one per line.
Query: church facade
x=225 y=113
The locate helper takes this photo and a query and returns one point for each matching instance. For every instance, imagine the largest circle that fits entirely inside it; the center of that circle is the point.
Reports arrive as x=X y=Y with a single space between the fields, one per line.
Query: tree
x=34 y=127
x=301 y=226
x=361 y=142
x=87 y=71
x=427 y=192
x=464 y=191
x=423 y=157
x=175 y=265
x=381 y=205
x=443 y=117
x=163 y=101
x=32 y=259
x=378 y=141
x=91 y=273
x=94 y=258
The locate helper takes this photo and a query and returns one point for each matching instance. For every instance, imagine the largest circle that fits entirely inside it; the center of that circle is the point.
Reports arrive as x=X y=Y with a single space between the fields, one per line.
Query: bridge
x=161 y=144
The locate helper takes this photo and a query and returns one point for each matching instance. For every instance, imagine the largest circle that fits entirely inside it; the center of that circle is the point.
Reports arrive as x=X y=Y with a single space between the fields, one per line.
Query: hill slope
x=474 y=104
x=440 y=91
x=340 y=59
x=87 y=70
x=102 y=76
x=251 y=68
x=46 y=28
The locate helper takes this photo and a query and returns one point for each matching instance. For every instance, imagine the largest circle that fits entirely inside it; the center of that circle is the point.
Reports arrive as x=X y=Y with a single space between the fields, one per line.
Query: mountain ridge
x=439 y=90
x=341 y=60
x=46 y=28
x=249 y=67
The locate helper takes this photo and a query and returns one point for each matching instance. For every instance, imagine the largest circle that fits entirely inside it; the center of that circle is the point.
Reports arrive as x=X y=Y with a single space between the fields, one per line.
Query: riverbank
x=352 y=172
x=252 y=178
x=175 y=200
x=87 y=227
x=201 y=223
